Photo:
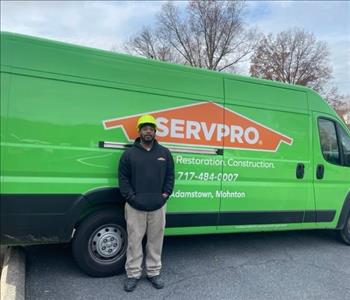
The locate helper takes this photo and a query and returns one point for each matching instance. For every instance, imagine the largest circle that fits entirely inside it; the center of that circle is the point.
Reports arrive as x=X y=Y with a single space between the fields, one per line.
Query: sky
x=108 y=24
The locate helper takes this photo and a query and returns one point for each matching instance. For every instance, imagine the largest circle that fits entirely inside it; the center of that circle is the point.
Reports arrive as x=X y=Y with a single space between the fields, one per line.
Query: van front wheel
x=100 y=242
x=345 y=232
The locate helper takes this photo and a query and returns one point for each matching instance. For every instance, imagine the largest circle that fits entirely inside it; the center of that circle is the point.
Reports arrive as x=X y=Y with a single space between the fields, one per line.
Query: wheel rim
x=107 y=243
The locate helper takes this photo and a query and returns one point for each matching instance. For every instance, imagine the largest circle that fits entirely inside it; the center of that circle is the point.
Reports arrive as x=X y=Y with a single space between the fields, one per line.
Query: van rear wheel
x=100 y=242
x=345 y=232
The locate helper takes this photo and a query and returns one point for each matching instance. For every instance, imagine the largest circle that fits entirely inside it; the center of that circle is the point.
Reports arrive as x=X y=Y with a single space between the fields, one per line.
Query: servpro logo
x=206 y=124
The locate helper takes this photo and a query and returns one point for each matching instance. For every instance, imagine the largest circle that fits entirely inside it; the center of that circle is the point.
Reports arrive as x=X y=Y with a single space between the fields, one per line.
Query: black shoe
x=130 y=284
x=156 y=282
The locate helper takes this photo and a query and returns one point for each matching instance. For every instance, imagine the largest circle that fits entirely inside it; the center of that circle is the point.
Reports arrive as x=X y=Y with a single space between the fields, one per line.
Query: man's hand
x=165 y=195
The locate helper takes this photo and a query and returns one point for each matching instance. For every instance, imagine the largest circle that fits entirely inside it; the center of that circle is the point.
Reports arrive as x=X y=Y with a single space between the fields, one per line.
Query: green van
x=250 y=154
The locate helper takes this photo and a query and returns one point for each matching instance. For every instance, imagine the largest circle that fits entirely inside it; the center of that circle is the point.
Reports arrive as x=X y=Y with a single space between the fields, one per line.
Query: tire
x=344 y=233
x=100 y=242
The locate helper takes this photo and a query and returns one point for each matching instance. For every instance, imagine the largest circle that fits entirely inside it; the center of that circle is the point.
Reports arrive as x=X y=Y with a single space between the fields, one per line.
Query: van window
x=345 y=142
x=329 y=142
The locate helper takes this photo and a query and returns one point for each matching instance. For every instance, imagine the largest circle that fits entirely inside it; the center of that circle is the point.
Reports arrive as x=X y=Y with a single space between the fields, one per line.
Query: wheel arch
x=344 y=212
x=92 y=201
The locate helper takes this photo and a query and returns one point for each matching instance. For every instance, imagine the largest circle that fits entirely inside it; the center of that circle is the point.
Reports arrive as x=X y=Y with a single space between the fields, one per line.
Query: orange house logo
x=205 y=124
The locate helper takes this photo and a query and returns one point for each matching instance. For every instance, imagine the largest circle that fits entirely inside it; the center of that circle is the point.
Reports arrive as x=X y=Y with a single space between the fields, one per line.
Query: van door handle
x=320 y=171
x=300 y=171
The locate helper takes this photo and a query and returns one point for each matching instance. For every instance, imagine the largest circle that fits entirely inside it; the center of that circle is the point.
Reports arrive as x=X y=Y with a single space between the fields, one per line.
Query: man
x=146 y=180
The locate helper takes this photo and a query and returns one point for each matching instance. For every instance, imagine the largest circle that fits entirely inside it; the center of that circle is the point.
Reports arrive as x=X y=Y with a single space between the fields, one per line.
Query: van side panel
x=5 y=92
x=53 y=155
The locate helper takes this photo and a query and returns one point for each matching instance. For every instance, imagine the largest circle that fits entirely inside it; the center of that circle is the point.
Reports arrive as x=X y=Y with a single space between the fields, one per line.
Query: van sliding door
x=267 y=173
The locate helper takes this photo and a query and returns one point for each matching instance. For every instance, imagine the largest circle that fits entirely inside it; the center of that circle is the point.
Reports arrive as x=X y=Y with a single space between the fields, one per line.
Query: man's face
x=147 y=133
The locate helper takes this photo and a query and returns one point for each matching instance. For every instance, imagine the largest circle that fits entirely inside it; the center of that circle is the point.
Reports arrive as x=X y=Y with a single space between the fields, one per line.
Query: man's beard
x=147 y=141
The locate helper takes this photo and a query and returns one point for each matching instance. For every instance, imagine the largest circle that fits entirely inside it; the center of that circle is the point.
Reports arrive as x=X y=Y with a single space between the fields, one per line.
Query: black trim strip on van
x=178 y=149
x=48 y=217
x=247 y=218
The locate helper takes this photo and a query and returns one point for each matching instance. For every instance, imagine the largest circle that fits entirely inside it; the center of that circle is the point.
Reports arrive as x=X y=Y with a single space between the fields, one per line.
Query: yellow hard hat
x=146 y=119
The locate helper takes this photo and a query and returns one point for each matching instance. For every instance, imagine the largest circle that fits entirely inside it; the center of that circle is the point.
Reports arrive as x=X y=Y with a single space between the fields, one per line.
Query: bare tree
x=148 y=44
x=210 y=34
x=337 y=100
x=292 y=56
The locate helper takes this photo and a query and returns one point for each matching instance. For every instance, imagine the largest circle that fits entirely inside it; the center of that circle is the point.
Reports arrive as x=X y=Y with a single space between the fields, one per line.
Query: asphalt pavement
x=277 y=265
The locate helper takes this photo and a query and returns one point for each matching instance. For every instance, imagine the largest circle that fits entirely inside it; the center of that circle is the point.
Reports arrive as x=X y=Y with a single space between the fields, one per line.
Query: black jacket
x=145 y=175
